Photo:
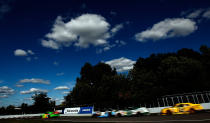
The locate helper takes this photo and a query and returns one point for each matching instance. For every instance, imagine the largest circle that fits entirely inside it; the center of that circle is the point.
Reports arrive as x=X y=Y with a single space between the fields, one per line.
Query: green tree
x=86 y=90
x=24 y=108
x=2 y=111
x=180 y=74
x=41 y=102
x=152 y=77
x=10 y=109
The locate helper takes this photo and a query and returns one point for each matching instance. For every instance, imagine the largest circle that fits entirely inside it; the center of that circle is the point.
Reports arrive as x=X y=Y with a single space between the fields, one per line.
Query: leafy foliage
x=152 y=77
x=41 y=102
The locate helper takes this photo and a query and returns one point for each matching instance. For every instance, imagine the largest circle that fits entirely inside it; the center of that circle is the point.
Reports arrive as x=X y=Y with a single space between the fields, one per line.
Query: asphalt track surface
x=194 y=118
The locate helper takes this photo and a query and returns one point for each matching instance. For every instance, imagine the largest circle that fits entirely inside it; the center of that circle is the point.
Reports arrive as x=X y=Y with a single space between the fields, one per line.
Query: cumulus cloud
x=203 y=13
x=61 y=88
x=195 y=14
x=82 y=31
x=6 y=91
x=116 y=28
x=117 y=43
x=168 y=28
x=50 y=44
x=121 y=64
x=34 y=90
x=35 y=80
x=20 y=52
x=24 y=53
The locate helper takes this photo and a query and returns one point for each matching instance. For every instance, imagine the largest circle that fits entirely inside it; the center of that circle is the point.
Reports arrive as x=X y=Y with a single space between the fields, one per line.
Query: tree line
x=42 y=103
x=152 y=77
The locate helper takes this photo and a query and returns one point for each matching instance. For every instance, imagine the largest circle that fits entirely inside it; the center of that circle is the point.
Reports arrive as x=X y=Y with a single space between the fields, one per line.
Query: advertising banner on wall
x=72 y=110
x=78 y=110
x=86 y=110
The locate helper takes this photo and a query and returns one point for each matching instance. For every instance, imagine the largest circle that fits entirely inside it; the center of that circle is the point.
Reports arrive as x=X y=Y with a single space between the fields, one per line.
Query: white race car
x=132 y=112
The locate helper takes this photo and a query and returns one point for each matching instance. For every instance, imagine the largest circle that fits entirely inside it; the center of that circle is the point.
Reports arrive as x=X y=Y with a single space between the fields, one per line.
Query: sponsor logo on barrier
x=86 y=110
x=79 y=110
x=72 y=110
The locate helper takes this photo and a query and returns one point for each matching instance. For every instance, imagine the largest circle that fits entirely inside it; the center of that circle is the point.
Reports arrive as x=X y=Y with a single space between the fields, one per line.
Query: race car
x=133 y=112
x=182 y=108
x=50 y=115
x=121 y=113
x=140 y=111
x=108 y=113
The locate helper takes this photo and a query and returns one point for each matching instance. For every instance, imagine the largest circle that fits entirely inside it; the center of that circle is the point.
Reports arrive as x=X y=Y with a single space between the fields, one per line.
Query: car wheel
x=110 y=114
x=138 y=114
x=94 y=116
x=192 y=111
x=168 y=112
x=119 y=115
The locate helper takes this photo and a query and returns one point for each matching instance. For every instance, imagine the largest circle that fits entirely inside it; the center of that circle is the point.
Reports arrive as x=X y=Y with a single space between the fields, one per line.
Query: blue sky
x=44 y=44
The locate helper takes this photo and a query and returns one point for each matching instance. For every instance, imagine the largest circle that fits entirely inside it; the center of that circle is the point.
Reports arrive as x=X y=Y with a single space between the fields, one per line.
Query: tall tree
x=41 y=102
x=24 y=108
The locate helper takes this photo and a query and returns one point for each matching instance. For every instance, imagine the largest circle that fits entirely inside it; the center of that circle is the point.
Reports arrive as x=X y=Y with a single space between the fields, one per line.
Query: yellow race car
x=182 y=108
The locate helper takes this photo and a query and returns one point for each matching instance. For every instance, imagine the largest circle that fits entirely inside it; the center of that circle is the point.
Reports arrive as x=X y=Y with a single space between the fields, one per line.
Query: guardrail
x=19 y=116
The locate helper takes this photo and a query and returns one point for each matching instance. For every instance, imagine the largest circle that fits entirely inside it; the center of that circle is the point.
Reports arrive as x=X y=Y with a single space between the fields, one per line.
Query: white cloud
x=117 y=43
x=168 y=28
x=58 y=101
x=20 y=52
x=34 y=90
x=85 y=30
x=195 y=14
x=62 y=88
x=3 y=96
x=34 y=80
x=30 y=99
x=66 y=92
x=120 y=42
x=6 y=91
x=198 y=14
x=116 y=28
x=50 y=44
x=30 y=52
x=19 y=85
x=206 y=14
x=71 y=85
x=121 y=64
x=60 y=74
